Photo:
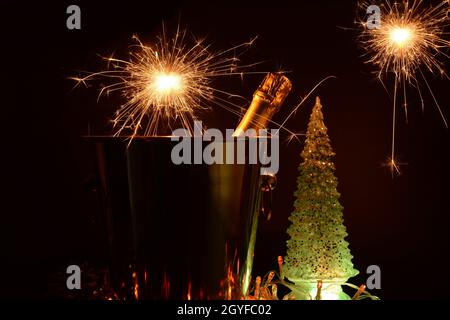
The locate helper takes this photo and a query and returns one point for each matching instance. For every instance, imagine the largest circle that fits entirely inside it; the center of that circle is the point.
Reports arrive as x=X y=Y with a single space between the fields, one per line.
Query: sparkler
x=167 y=83
x=410 y=39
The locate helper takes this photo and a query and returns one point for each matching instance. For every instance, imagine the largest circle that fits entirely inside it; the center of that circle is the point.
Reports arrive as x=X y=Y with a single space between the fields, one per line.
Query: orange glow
x=188 y=296
x=166 y=286
x=135 y=286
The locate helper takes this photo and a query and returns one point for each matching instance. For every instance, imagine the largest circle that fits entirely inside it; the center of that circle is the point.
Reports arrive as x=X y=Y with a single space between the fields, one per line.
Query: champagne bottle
x=267 y=100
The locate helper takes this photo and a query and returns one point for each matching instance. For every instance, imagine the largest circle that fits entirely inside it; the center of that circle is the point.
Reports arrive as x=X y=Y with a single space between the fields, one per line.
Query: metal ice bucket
x=176 y=231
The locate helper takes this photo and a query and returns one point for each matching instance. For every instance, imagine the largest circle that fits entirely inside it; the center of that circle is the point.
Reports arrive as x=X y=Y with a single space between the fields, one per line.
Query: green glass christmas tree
x=316 y=251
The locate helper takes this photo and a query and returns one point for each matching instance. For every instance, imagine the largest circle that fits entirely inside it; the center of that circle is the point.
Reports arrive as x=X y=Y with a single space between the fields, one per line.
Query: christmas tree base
x=328 y=291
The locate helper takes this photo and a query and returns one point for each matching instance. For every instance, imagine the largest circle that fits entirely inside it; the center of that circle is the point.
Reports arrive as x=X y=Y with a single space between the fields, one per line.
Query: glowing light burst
x=167 y=83
x=411 y=39
x=402 y=36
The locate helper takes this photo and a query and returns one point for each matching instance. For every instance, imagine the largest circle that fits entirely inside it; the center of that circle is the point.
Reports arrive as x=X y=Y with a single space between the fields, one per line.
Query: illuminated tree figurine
x=318 y=259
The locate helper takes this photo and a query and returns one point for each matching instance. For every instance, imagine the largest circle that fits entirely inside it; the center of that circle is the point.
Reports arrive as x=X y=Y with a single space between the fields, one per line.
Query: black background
x=48 y=214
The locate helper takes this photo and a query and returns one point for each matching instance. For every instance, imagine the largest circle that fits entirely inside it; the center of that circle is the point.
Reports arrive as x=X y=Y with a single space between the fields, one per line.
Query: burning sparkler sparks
x=167 y=83
x=409 y=39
